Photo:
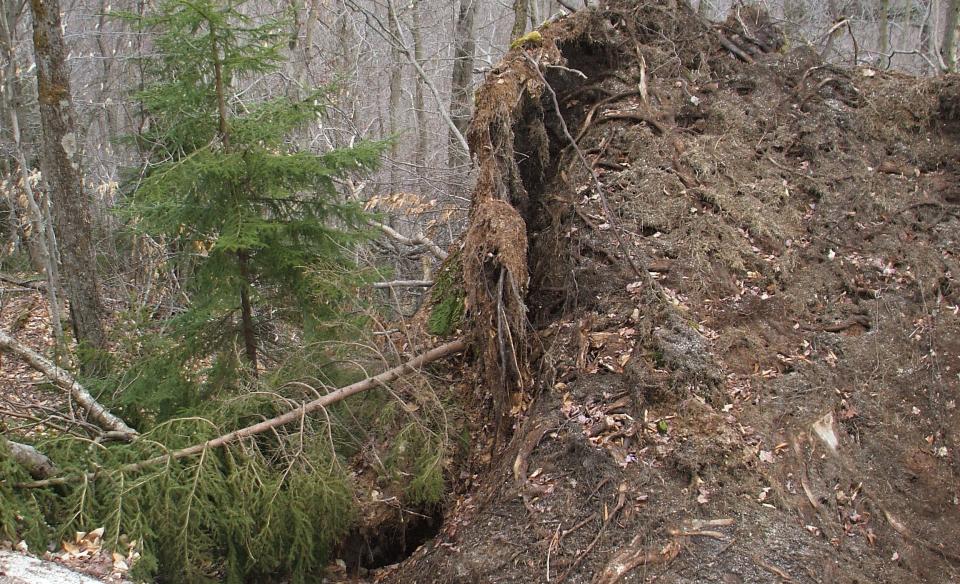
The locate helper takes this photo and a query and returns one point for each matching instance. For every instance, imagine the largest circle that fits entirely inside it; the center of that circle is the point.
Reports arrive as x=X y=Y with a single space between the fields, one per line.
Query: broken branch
x=418 y=239
x=31 y=459
x=404 y=284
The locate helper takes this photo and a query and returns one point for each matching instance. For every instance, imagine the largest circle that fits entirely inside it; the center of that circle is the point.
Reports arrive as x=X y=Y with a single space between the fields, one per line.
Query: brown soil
x=771 y=395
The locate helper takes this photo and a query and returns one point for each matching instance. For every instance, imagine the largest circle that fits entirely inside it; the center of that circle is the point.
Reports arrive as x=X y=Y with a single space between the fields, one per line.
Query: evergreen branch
x=62 y=379
x=411 y=366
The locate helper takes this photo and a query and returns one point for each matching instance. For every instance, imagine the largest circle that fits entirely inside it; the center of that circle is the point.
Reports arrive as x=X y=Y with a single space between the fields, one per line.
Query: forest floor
x=772 y=395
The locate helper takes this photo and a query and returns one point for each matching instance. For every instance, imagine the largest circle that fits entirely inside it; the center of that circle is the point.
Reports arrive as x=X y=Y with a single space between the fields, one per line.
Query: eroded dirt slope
x=738 y=358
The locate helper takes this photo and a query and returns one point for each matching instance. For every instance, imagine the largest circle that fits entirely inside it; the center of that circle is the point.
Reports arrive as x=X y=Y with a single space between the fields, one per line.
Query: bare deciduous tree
x=61 y=164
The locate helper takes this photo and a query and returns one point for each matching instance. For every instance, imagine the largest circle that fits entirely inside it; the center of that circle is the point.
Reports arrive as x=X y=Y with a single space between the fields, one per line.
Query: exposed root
x=636 y=555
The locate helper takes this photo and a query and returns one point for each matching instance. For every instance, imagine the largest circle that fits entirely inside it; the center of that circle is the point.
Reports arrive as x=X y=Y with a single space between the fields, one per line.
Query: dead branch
x=294 y=415
x=35 y=284
x=62 y=379
x=418 y=239
x=35 y=463
x=404 y=284
x=637 y=117
x=760 y=562
x=734 y=49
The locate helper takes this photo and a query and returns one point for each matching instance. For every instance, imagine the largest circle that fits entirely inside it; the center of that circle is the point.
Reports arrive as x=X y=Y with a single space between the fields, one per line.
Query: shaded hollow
x=396 y=537
x=550 y=207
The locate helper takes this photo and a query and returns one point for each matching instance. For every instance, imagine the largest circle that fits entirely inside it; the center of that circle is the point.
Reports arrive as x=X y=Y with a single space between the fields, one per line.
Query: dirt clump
x=735 y=361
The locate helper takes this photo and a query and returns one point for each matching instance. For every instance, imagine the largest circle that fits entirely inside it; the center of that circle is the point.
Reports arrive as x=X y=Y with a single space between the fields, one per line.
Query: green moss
x=446 y=313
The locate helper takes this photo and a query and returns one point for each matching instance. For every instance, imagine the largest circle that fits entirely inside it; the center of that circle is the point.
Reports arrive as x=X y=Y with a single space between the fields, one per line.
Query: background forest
x=230 y=208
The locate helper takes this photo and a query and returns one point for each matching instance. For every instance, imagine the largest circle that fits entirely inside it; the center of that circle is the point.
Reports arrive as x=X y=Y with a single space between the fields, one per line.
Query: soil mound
x=711 y=285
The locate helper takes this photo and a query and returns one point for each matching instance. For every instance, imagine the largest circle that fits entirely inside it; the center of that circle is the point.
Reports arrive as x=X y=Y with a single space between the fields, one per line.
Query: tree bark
x=949 y=48
x=461 y=98
x=246 y=313
x=60 y=164
x=62 y=379
x=419 y=104
x=32 y=460
x=883 y=44
x=393 y=105
x=41 y=236
x=520 y=10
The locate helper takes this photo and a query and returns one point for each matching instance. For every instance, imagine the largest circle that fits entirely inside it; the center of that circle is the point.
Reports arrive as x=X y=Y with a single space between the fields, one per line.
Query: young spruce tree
x=252 y=219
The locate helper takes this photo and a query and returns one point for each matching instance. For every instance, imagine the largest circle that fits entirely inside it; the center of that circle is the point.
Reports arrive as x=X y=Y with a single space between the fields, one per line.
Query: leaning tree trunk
x=60 y=164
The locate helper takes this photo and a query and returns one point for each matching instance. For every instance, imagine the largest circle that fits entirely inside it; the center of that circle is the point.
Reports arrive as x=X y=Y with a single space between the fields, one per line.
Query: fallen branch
x=31 y=459
x=404 y=284
x=734 y=49
x=62 y=379
x=418 y=239
x=294 y=415
x=35 y=284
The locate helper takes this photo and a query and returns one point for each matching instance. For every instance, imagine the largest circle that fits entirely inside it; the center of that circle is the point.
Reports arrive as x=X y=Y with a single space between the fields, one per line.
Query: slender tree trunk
x=246 y=313
x=61 y=171
x=883 y=32
x=520 y=11
x=40 y=240
x=419 y=104
x=243 y=258
x=950 y=35
x=461 y=98
x=396 y=89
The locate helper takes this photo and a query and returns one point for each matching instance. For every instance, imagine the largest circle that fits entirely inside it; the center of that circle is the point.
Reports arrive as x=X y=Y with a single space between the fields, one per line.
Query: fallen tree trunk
x=294 y=415
x=31 y=459
x=62 y=379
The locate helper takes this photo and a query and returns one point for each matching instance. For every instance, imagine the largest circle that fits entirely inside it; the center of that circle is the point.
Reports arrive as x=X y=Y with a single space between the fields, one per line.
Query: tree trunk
x=419 y=105
x=246 y=313
x=393 y=106
x=950 y=36
x=40 y=240
x=60 y=164
x=883 y=43
x=223 y=128
x=520 y=10
x=461 y=98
